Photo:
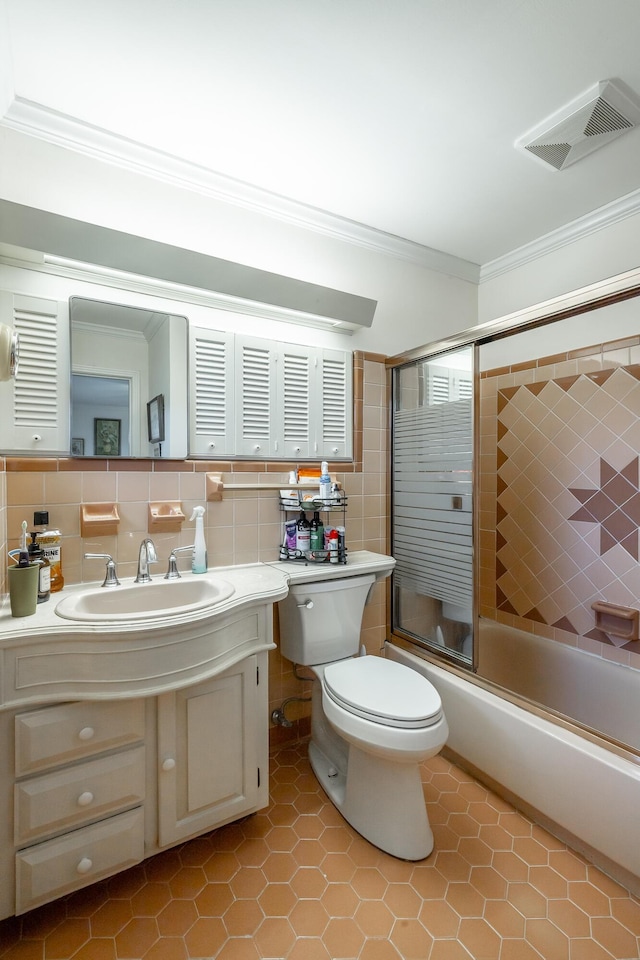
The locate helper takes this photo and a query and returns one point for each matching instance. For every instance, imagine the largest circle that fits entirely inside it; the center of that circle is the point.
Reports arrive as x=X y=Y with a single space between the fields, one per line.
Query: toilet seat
x=383 y=691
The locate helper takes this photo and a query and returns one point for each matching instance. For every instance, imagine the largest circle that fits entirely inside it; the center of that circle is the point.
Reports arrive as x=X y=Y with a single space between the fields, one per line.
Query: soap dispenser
x=199 y=562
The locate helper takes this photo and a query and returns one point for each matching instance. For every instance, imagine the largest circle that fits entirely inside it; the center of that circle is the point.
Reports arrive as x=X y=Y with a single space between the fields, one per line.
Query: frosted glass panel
x=432 y=530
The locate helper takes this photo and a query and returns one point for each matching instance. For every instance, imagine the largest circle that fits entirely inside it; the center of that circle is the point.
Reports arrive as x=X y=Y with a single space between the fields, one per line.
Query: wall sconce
x=9 y=350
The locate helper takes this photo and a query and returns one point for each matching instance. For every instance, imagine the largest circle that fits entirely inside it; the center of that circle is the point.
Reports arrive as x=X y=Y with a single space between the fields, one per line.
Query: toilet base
x=381 y=799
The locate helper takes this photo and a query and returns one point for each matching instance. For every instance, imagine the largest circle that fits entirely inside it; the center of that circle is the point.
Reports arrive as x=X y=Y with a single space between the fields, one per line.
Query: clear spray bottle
x=199 y=561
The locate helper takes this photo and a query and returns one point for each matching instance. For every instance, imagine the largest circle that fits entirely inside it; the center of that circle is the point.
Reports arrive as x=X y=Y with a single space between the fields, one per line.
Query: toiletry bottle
x=333 y=546
x=44 y=573
x=342 y=545
x=303 y=534
x=50 y=542
x=199 y=562
x=316 y=538
x=325 y=483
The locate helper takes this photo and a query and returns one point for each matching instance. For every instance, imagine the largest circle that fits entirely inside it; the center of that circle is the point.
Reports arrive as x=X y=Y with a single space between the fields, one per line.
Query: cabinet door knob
x=168 y=764
x=84 y=865
x=257 y=447
x=85 y=799
x=87 y=733
x=212 y=445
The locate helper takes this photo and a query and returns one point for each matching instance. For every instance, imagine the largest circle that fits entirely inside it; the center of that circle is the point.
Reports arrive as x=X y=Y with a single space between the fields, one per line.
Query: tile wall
x=245 y=527
x=560 y=494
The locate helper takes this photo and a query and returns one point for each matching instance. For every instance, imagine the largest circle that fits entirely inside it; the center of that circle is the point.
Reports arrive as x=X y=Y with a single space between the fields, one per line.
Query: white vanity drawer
x=55 y=735
x=68 y=798
x=57 y=867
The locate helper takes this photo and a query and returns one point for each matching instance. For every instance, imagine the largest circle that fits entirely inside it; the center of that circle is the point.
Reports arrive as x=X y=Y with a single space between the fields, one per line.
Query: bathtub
x=585 y=793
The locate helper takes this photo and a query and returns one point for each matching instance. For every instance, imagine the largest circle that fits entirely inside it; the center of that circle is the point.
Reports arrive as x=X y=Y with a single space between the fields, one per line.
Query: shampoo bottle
x=325 y=483
x=199 y=561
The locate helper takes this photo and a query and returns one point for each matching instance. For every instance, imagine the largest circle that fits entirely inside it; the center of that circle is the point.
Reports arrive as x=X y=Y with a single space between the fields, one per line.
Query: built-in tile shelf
x=166 y=517
x=99 y=519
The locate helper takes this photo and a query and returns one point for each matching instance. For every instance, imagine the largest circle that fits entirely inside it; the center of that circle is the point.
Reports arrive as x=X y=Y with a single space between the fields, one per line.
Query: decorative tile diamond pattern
x=295 y=882
x=567 y=497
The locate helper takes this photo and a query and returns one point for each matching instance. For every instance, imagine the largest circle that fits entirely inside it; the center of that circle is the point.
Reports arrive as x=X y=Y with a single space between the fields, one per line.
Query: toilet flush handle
x=306 y=603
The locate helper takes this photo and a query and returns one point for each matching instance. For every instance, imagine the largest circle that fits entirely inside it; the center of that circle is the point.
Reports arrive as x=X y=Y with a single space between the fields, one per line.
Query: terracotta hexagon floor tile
x=449 y=950
x=452 y=866
x=221 y=867
x=428 y=883
x=99 y=949
x=242 y=918
x=188 y=882
x=338 y=867
x=510 y=866
x=339 y=900
x=308 y=918
x=213 y=900
x=196 y=852
x=439 y=919
x=343 y=938
x=150 y=899
x=614 y=937
x=206 y=937
x=279 y=867
x=127 y=883
x=163 y=866
x=257 y=825
x=465 y=900
x=252 y=852
x=282 y=839
x=548 y=882
x=504 y=918
x=248 y=882
x=307 y=827
x=569 y=865
x=402 y=900
x=309 y=882
x=274 y=937
x=283 y=815
x=84 y=903
x=63 y=942
x=309 y=853
x=515 y=824
x=444 y=838
x=488 y=882
x=336 y=839
x=569 y=918
x=482 y=813
x=110 y=918
x=550 y=942
x=176 y=918
x=137 y=937
x=374 y=918
x=475 y=851
x=411 y=940
x=589 y=898
x=527 y=900
x=368 y=883
x=309 y=948
x=277 y=900
x=627 y=912
x=464 y=825
x=309 y=803
x=169 y=948
x=496 y=837
x=531 y=851
x=521 y=950
x=481 y=940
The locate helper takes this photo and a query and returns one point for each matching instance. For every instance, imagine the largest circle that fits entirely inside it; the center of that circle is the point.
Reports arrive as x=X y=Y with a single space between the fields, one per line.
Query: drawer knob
x=84 y=865
x=87 y=733
x=85 y=799
x=168 y=764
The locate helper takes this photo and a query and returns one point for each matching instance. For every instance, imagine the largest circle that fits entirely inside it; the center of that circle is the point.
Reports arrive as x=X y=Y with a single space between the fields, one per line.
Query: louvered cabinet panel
x=295 y=371
x=334 y=430
x=35 y=406
x=211 y=395
x=256 y=385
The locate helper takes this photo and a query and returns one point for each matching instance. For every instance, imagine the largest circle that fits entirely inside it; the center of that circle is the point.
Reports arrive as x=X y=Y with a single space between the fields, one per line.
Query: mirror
x=122 y=359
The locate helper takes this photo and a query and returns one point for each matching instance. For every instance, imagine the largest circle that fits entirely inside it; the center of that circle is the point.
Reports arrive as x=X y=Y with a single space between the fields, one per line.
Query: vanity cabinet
x=212 y=765
x=78 y=767
x=97 y=786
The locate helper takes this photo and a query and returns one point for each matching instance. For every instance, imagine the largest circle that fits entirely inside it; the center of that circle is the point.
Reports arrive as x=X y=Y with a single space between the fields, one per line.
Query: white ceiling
x=397 y=114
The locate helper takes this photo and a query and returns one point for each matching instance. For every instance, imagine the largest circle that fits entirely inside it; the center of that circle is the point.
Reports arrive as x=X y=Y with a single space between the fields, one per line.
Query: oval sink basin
x=144 y=601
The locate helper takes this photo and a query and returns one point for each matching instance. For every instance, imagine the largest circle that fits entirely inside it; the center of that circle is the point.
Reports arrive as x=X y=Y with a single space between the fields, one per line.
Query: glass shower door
x=432 y=502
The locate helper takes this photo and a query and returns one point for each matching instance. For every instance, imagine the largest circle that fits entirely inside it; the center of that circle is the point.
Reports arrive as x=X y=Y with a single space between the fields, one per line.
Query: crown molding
x=599 y=219
x=36 y=120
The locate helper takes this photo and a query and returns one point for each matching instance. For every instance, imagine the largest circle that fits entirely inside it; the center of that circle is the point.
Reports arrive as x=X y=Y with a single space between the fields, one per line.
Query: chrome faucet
x=146 y=556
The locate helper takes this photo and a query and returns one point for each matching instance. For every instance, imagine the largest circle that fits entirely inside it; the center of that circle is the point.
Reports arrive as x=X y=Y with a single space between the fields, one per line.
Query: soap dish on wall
x=166 y=517
x=616 y=620
x=99 y=519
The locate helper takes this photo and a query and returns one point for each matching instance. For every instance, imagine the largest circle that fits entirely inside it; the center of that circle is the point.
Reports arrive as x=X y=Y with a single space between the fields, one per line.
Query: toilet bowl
x=373 y=720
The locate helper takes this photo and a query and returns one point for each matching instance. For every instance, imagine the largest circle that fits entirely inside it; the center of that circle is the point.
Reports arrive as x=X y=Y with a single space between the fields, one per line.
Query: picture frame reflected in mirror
x=106 y=437
x=155 y=419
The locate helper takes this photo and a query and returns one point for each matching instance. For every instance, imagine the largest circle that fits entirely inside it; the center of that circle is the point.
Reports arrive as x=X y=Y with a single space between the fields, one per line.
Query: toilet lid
x=383 y=691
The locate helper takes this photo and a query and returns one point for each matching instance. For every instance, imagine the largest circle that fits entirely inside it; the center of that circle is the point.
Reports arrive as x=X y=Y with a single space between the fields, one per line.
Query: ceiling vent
x=590 y=121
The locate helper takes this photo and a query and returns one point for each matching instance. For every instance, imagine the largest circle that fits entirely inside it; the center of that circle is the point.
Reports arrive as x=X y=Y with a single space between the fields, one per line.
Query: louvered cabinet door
x=35 y=406
x=295 y=372
x=211 y=393
x=334 y=424
x=257 y=409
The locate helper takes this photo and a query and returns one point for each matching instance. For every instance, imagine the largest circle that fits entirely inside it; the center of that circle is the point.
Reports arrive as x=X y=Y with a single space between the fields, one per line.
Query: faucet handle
x=110 y=576
x=173 y=573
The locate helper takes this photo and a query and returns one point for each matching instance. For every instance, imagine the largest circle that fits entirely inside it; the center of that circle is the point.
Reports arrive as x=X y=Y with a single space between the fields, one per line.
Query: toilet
x=373 y=720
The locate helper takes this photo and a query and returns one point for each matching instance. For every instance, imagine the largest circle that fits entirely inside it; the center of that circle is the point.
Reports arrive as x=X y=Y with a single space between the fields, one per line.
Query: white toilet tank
x=320 y=622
